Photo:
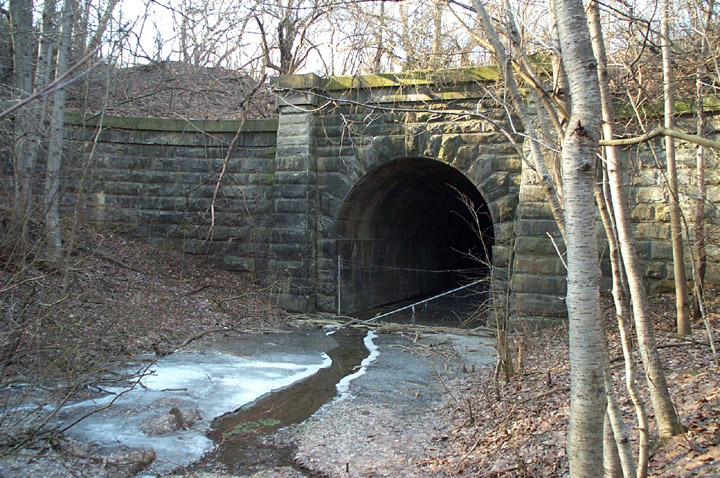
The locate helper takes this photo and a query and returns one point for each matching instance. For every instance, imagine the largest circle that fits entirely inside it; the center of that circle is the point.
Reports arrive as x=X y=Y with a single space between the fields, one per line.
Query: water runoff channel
x=240 y=435
x=282 y=379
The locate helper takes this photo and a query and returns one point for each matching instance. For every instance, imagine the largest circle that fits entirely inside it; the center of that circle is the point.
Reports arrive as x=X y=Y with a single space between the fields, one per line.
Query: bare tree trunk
x=621 y=440
x=588 y=357
x=668 y=422
x=519 y=107
x=36 y=110
x=436 y=54
x=611 y=459
x=701 y=73
x=21 y=26
x=621 y=311
x=681 y=292
x=55 y=141
x=380 y=28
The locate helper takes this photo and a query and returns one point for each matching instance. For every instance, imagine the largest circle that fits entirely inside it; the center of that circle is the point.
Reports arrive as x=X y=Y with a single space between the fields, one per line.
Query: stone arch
x=400 y=224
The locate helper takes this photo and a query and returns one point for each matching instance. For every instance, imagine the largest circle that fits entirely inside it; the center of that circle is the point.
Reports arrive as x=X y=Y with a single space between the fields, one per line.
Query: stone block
x=538 y=228
x=530 y=210
x=501 y=255
x=291 y=221
x=649 y=194
x=650 y=230
x=534 y=246
x=661 y=250
x=508 y=163
x=537 y=305
x=643 y=212
x=481 y=167
x=292 y=236
x=496 y=183
x=504 y=232
x=657 y=270
x=285 y=206
x=538 y=283
x=503 y=209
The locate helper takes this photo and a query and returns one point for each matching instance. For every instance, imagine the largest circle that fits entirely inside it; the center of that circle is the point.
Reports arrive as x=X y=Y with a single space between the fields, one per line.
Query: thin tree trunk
x=588 y=357
x=436 y=54
x=611 y=458
x=701 y=73
x=55 y=141
x=622 y=311
x=681 y=291
x=622 y=442
x=528 y=123
x=36 y=110
x=21 y=21
x=668 y=422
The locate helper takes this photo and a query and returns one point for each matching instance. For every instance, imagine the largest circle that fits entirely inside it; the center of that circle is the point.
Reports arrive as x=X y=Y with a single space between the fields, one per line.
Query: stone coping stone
x=384 y=80
x=172 y=124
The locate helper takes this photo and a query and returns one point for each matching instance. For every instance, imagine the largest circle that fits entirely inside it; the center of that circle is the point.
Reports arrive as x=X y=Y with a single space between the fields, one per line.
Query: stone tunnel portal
x=404 y=232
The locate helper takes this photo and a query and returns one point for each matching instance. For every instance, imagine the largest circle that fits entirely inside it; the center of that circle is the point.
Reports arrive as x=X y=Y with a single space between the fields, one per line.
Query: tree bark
x=55 y=141
x=587 y=335
x=701 y=73
x=668 y=422
x=681 y=291
x=519 y=107
x=21 y=20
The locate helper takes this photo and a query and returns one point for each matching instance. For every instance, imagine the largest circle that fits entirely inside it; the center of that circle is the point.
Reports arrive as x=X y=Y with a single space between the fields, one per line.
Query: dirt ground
x=122 y=297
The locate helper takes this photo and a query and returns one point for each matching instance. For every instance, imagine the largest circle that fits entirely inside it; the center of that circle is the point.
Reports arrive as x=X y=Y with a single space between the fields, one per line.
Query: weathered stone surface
x=296 y=185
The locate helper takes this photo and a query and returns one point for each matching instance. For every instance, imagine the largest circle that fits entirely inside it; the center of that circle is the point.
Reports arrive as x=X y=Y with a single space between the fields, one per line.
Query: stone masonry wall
x=154 y=178
x=354 y=167
x=645 y=172
x=353 y=135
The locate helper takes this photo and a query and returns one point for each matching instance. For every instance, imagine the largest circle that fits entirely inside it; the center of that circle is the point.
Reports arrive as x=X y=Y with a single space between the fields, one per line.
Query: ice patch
x=344 y=384
x=210 y=384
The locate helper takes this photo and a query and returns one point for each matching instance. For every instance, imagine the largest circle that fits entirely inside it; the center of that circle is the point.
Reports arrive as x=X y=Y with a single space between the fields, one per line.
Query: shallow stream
x=239 y=435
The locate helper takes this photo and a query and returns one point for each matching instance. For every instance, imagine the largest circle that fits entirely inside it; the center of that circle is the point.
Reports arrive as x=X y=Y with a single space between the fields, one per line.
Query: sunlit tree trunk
x=681 y=291
x=587 y=335
x=703 y=22
x=528 y=123
x=436 y=54
x=36 y=110
x=668 y=422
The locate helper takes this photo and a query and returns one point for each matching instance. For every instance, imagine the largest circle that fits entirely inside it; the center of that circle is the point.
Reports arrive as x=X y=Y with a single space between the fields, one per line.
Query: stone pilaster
x=293 y=252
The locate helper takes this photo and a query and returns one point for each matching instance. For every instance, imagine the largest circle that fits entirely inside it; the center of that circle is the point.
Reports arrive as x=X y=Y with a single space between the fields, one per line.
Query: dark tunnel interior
x=404 y=232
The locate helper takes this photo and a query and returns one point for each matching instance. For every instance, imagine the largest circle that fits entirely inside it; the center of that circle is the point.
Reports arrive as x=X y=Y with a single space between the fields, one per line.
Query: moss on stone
x=170 y=124
x=407 y=78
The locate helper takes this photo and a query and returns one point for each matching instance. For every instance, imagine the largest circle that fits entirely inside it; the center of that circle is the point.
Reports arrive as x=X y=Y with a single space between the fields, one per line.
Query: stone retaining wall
x=155 y=178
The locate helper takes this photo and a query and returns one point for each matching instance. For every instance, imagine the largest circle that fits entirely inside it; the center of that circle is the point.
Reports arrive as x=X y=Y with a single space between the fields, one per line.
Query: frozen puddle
x=242 y=434
x=202 y=386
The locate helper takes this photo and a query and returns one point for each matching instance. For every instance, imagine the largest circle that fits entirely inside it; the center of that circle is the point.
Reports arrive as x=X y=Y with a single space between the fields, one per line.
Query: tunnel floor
x=465 y=308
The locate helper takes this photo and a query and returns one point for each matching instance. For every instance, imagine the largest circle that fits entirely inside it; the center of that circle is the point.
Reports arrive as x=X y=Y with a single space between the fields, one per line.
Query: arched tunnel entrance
x=405 y=231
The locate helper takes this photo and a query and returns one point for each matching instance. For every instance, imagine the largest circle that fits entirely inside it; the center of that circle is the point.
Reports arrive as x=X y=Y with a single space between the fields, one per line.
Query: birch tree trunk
x=21 y=20
x=53 y=250
x=587 y=336
x=666 y=416
x=681 y=291
x=36 y=110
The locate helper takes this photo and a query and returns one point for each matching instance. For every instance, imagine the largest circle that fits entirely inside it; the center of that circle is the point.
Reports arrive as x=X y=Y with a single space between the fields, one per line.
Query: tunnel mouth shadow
x=410 y=228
